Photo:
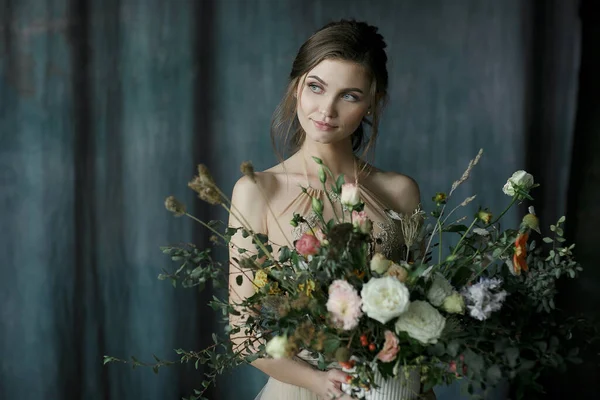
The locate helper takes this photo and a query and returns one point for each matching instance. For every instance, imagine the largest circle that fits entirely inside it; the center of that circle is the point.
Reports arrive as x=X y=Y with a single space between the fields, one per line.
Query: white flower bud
x=277 y=347
x=350 y=196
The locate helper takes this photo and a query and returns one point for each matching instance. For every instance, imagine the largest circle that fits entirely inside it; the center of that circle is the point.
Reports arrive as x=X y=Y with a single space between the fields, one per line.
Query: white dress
x=389 y=240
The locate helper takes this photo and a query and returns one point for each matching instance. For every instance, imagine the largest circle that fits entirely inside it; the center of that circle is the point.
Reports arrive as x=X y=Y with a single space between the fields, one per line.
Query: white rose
x=379 y=263
x=422 y=322
x=384 y=298
x=439 y=290
x=277 y=347
x=350 y=196
x=521 y=179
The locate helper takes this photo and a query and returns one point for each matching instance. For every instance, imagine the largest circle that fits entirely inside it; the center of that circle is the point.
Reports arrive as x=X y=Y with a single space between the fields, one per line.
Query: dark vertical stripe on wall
x=553 y=65
x=6 y=53
x=72 y=349
x=203 y=94
x=534 y=161
x=583 y=295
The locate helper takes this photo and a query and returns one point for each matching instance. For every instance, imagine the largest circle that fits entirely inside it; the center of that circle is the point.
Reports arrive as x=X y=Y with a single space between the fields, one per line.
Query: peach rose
x=390 y=348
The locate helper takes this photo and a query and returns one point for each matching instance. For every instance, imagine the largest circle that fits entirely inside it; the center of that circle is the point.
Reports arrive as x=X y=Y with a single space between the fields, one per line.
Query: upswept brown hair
x=346 y=40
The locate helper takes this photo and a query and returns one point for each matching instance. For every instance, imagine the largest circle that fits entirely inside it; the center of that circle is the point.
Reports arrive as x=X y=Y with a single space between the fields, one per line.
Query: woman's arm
x=250 y=206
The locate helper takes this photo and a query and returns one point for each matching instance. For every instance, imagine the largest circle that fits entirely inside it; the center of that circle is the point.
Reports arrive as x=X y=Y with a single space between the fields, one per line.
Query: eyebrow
x=344 y=90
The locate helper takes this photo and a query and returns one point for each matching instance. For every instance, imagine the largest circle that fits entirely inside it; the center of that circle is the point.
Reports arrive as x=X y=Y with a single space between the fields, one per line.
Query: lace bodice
x=386 y=231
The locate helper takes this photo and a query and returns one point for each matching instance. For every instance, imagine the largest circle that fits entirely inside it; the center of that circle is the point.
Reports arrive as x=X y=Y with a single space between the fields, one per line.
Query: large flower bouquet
x=482 y=308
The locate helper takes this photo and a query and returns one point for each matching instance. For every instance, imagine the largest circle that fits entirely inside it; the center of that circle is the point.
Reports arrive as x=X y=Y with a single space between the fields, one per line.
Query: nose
x=327 y=107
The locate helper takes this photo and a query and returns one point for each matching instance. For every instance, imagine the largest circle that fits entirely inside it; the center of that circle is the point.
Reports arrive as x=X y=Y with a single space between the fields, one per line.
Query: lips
x=323 y=126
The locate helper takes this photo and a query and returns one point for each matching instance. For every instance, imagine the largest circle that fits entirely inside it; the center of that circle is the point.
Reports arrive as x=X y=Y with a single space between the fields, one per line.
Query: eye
x=315 y=88
x=350 y=97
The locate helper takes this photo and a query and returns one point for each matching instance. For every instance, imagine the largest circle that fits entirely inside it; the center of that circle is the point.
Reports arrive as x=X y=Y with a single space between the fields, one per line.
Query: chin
x=324 y=137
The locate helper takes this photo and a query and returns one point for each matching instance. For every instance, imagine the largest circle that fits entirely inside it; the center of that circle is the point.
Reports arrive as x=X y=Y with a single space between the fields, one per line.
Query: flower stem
x=440 y=244
x=213 y=230
x=464 y=235
x=514 y=200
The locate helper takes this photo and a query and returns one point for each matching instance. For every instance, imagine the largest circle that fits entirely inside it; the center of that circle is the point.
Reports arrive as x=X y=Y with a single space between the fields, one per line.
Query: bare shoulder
x=400 y=191
x=249 y=198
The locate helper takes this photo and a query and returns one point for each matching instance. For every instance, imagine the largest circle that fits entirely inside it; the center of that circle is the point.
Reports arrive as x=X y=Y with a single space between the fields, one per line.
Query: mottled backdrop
x=106 y=106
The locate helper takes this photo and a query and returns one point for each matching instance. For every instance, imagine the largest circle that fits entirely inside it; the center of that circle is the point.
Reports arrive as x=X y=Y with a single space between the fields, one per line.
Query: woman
x=338 y=84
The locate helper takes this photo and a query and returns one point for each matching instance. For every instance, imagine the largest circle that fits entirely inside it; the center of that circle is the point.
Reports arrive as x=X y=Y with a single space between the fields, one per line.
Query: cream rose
x=521 y=179
x=422 y=322
x=277 y=347
x=454 y=304
x=379 y=263
x=384 y=298
x=398 y=272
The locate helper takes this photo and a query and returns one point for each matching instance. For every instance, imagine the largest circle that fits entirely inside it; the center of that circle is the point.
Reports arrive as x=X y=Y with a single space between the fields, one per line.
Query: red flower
x=520 y=257
x=308 y=245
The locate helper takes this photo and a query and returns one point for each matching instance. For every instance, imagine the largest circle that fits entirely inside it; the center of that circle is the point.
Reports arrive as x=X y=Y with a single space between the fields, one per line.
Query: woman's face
x=333 y=98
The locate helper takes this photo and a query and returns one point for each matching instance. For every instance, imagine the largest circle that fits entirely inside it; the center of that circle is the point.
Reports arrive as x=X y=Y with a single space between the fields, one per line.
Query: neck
x=338 y=157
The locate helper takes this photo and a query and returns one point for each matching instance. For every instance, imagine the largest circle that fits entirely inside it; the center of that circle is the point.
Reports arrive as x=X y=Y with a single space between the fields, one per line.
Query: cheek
x=306 y=105
x=355 y=116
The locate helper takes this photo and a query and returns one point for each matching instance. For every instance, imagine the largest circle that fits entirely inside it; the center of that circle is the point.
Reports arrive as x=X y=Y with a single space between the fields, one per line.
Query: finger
x=338 y=375
x=336 y=394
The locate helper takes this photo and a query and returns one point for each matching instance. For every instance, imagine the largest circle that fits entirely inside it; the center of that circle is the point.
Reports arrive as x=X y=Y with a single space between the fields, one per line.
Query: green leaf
x=526 y=365
x=543 y=346
x=494 y=374
x=452 y=348
x=474 y=361
x=321 y=363
x=339 y=182
x=512 y=354
x=574 y=352
x=561 y=219
x=284 y=254
x=251 y=358
x=331 y=344
x=438 y=349
x=455 y=228
x=547 y=240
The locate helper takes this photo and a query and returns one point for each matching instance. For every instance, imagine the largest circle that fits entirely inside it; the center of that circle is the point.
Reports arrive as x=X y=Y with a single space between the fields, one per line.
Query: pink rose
x=307 y=245
x=390 y=348
x=362 y=222
x=344 y=305
x=452 y=367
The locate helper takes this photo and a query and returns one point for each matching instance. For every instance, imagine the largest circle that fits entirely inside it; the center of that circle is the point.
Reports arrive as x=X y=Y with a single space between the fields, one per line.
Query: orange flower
x=520 y=257
x=359 y=274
